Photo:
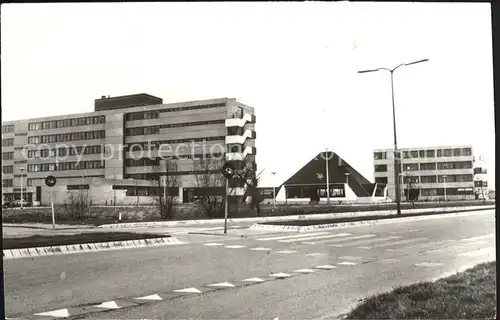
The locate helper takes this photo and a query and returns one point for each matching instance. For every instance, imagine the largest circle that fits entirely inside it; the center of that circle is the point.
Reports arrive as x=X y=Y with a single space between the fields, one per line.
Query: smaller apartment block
x=432 y=173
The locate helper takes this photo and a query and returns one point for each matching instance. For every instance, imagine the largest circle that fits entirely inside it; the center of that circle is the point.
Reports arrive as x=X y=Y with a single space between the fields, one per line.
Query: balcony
x=240 y=122
x=240 y=139
x=239 y=156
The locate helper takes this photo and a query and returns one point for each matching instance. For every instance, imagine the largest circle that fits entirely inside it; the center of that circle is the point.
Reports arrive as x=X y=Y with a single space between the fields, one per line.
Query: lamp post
x=444 y=180
x=22 y=195
x=274 y=190
x=346 y=183
x=396 y=176
x=327 y=178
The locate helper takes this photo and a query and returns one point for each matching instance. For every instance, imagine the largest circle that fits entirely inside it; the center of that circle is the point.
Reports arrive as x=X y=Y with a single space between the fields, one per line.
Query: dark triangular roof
x=314 y=173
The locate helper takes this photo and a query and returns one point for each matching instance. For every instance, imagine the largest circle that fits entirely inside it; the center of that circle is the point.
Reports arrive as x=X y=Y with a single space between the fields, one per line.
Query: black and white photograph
x=248 y=160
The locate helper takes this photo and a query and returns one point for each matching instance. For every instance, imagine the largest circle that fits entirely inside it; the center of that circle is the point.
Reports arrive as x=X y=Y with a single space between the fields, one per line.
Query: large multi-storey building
x=126 y=138
x=432 y=173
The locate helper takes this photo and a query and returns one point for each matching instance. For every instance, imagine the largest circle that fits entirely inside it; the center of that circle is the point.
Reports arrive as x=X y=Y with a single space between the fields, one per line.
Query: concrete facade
x=119 y=141
x=430 y=173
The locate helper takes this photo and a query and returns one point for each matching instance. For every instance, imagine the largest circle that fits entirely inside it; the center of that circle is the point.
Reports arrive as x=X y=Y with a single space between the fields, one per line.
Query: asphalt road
x=361 y=261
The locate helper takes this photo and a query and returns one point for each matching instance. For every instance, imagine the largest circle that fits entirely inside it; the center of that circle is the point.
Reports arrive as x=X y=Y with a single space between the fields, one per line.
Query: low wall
x=110 y=214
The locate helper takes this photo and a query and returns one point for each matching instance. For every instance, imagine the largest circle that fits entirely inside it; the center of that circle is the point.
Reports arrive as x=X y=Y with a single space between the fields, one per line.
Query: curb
x=87 y=247
x=291 y=217
x=342 y=225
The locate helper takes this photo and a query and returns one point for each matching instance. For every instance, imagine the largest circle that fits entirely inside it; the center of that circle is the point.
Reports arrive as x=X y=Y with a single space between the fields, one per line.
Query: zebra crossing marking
x=338 y=235
x=383 y=245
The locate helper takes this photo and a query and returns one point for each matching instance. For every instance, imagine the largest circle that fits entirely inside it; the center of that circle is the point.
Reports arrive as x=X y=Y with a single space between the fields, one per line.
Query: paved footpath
x=316 y=275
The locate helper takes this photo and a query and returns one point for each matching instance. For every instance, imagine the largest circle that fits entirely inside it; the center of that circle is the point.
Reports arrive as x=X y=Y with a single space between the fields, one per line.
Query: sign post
x=50 y=181
x=228 y=172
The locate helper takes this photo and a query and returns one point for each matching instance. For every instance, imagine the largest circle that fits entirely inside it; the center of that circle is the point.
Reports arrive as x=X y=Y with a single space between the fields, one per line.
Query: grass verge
x=466 y=295
x=69 y=239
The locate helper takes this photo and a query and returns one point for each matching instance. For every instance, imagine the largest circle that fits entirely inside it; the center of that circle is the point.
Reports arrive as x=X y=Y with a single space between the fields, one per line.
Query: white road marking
x=350 y=258
x=222 y=285
x=316 y=254
x=213 y=244
x=304 y=271
x=260 y=249
x=395 y=250
x=395 y=243
x=236 y=246
x=428 y=264
x=253 y=280
x=294 y=236
x=287 y=251
x=326 y=267
x=389 y=261
x=479 y=252
x=61 y=313
x=150 y=297
x=188 y=290
x=316 y=237
x=108 y=305
x=347 y=263
x=280 y=275
x=345 y=240
x=365 y=241
x=479 y=238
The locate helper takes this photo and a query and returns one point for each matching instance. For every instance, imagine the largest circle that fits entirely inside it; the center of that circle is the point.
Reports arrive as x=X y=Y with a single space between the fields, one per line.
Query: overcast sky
x=295 y=62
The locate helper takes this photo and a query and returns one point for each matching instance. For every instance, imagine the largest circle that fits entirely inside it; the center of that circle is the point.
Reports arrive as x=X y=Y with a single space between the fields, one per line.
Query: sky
x=296 y=63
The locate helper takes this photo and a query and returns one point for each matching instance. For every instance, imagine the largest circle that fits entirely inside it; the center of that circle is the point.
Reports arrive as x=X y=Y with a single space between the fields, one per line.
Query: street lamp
x=396 y=176
x=346 y=183
x=444 y=180
x=22 y=195
x=408 y=176
x=274 y=189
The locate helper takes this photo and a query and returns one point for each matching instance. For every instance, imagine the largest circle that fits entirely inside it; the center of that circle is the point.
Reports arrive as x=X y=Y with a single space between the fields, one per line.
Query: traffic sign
x=50 y=181
x=228 y=170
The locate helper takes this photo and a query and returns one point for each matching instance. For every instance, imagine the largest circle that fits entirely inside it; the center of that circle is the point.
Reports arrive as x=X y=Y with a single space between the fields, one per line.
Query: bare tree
x=481 y=186
x=211 y=185
x=247 y=176
x=164 y=182
x=76 y=203
x=411 y=182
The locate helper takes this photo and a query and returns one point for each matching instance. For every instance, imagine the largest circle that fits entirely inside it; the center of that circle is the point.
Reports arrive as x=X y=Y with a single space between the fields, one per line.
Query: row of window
x=8 y=142
x=62 y=152
x=154 y=176
x=66 y=123
x=480 y=184
x=8 y=128
x=29 y=181
x=449 y=191
x=431 y=179
x=147 y=191
x=146 y=162
x=157 y=144
x=139 y=131
x=429 y=166
x=7 y=169
x=63 y=137
x=456 y=152
x=156 y=113
x=314 y=192
x=7 y=155
x=64 y=166
x=7 y=183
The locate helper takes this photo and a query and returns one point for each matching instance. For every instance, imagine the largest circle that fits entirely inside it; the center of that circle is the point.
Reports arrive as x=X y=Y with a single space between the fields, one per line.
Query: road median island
x=37 y=241
x=466 y=295
x=315 y=222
